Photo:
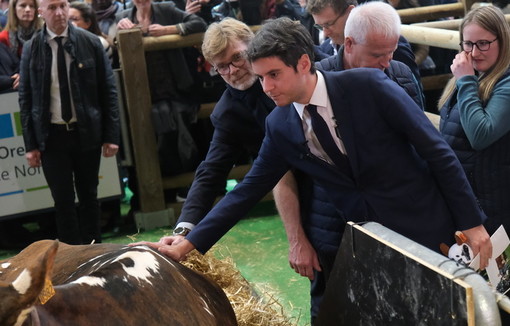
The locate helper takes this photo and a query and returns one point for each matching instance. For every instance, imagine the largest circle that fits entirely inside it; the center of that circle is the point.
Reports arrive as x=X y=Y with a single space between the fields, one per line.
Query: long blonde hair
x=490 y=18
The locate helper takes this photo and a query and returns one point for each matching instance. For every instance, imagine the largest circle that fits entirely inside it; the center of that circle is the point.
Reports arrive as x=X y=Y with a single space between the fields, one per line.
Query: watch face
x=181 y=231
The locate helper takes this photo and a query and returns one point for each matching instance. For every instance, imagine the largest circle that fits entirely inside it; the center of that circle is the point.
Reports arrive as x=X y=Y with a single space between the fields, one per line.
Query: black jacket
x=92 y=87
x=397 y=71
x=238 y=120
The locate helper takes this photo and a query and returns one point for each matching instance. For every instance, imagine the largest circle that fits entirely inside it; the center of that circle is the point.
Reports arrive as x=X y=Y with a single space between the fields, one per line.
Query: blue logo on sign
x=6 y=130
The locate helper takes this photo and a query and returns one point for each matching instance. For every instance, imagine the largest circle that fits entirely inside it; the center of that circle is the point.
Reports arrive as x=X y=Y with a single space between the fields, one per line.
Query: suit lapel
x=295 y=126
x=296 y=134
x=342 y=111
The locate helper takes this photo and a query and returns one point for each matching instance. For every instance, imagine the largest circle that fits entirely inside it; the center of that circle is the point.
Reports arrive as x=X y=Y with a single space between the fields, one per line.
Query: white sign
x=22 y=188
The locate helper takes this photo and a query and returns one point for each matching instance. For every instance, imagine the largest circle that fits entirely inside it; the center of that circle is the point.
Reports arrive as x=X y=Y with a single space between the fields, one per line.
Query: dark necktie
x=321 y=130
x=65 y=96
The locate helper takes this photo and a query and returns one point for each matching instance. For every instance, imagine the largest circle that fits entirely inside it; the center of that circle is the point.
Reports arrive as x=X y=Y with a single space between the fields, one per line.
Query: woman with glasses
x=475 y=110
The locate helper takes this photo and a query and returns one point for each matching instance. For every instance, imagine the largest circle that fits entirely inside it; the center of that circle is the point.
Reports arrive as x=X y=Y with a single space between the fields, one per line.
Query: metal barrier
x=392 y=280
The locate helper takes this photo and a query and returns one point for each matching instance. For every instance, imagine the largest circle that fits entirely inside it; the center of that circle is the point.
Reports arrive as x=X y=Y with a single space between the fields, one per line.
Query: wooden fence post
x=138 y=100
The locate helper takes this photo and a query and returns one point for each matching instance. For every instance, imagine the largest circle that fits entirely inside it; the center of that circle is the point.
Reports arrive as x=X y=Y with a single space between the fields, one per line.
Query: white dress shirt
x=320 y=99
x=55 y=106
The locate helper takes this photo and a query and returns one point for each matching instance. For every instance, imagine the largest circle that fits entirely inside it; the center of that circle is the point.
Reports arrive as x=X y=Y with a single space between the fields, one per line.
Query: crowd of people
x=333 y=147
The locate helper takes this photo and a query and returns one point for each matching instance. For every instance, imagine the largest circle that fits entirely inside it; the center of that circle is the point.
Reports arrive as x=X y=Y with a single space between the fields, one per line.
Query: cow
x=52 y=283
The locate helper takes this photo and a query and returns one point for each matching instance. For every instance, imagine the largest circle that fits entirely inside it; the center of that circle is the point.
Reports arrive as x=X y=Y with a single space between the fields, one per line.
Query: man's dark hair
x=339 y=6
x=283 y=38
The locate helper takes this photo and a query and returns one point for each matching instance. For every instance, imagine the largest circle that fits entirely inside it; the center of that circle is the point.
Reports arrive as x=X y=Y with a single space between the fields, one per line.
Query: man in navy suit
x=392 y=166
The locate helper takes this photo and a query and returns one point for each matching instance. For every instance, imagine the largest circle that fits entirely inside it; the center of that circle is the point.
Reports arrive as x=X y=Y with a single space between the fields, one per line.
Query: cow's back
x=110 y=284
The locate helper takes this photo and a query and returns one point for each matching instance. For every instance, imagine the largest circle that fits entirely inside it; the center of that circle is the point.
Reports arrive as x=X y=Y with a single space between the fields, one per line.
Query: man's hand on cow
x=480 y=242
x=171 y=240
x=176 y=252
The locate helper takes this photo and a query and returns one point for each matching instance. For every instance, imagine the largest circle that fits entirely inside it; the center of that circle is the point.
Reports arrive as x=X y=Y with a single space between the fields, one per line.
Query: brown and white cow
x=106 y=284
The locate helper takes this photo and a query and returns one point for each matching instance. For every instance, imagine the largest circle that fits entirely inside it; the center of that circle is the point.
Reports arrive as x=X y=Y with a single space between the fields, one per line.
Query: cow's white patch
x=206 y=306
x=5 y=265
x=22 y=282
x=90 y=280
x=143 y=264
x=22 y=316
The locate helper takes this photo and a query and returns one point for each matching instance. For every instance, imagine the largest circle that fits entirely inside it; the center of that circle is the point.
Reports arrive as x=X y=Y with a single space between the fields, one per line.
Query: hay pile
x=249 y=308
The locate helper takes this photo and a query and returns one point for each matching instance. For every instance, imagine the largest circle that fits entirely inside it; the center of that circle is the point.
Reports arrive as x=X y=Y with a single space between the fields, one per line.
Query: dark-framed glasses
x=482 y=45
x=238 y=60
x=327 y=25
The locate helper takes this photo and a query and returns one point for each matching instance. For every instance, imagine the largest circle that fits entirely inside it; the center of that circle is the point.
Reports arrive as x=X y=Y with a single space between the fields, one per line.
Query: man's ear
x=348 y=44
x=348 y=10
x=304 y=63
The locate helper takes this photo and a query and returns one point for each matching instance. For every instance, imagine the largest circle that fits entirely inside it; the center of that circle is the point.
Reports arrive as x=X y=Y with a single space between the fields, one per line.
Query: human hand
x=193 y=6
x=480 y=242
x=303 y=258
x=15 y=82
x=160 y=30
x=125 y=23
x=176 y=252
x=462 y=65
x=33 y=158
x=171 y=240
x=110 y=150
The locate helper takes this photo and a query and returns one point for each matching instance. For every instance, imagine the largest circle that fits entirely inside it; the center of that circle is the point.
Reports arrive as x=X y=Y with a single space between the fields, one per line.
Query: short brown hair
x=338 y=6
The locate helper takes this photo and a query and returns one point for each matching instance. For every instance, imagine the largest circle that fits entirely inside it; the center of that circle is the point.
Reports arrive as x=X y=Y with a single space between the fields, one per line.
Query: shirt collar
x=319 y=96
x=52 y=35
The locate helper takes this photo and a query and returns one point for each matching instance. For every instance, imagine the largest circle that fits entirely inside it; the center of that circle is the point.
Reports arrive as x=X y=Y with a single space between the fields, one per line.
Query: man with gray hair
x=371 y=37
x=331 y=16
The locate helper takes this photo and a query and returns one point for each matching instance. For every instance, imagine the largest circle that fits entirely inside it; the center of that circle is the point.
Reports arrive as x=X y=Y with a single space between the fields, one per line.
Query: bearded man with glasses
x=238 y=119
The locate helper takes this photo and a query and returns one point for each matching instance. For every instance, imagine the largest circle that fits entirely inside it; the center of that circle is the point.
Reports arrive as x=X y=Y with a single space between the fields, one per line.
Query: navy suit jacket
x=403 y=174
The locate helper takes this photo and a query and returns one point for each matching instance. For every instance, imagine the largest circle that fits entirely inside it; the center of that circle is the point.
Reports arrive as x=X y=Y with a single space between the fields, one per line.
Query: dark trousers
x=318 y=285
x=67 y=167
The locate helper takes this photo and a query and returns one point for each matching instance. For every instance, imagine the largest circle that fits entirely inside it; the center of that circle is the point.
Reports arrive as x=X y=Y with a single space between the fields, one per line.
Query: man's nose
x=385 y=61
x=267 y=85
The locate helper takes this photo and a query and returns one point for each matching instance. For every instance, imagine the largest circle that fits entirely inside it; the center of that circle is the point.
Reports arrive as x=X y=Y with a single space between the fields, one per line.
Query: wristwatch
x=181 y=231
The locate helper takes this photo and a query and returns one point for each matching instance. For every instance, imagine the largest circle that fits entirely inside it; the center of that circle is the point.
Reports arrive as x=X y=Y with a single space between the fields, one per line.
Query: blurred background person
x=4 y=9
x=202 y=8
x=9 y=70
x=105 y=13
x=475 y=110
x=22 y=23
x=82 y=15
x=174 y=101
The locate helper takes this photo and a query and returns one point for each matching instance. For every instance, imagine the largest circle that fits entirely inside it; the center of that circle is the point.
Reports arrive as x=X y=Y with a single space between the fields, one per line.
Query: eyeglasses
x=482 y=45
x=238 y=60
x=327 y=25
x=74 y=18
